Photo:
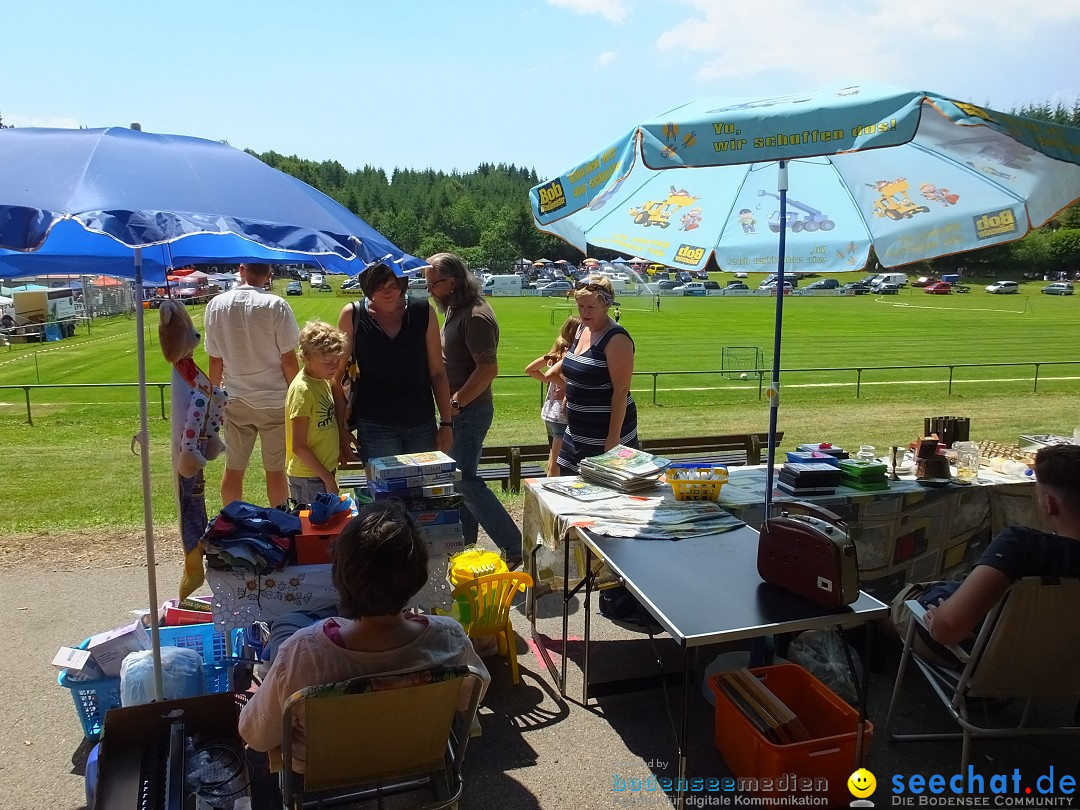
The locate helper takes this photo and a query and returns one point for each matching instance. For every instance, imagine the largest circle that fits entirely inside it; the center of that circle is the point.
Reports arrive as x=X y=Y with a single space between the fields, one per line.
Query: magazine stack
x=425 y=482
x=624 y=469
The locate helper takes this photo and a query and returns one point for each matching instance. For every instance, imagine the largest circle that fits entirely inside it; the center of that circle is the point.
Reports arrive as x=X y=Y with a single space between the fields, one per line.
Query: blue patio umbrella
x=129 y=203
x=915 y=174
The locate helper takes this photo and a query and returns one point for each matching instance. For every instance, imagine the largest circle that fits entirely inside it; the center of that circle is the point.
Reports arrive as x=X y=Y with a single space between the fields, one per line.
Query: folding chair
x=1026 y=648
x=382 y=735
x=490 y=598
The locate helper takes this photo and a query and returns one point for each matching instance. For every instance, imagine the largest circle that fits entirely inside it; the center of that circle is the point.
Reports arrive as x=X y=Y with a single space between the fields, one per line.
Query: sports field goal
x=736 y=361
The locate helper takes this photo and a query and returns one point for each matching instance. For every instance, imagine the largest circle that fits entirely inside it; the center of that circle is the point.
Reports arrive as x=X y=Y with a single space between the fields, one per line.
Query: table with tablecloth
x=241 y=597
x=908 y=533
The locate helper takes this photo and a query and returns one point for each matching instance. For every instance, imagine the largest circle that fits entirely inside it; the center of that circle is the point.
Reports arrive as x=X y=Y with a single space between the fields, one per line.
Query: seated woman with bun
x=380 y=562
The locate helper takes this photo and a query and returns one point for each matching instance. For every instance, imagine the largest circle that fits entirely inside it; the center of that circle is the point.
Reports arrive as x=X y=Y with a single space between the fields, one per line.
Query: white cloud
x=16 y=120
x=606 y=58
x=921 y=44
x=614 y=11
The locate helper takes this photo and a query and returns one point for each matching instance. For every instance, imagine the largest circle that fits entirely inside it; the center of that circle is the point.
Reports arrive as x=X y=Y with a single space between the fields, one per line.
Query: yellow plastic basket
x=692 y=482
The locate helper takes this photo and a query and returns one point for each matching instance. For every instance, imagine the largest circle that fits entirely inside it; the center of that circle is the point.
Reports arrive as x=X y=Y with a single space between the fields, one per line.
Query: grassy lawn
x=74 y=469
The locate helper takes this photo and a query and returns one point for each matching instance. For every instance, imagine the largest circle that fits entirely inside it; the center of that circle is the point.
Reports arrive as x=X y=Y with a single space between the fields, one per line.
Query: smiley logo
x=862 y=783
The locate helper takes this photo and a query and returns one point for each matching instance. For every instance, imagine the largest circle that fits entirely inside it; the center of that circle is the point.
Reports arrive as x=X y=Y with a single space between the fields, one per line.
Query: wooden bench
x=510 y=464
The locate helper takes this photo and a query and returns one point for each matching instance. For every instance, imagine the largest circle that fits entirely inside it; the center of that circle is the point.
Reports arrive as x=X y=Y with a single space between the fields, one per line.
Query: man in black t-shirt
x=1020 y=552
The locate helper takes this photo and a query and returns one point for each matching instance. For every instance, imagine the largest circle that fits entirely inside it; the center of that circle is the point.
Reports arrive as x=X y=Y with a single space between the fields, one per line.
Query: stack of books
x=425 y=482
x=624 y=469
x=865 y=476
x=766 y=712
x=813 y=478
x=827 y=448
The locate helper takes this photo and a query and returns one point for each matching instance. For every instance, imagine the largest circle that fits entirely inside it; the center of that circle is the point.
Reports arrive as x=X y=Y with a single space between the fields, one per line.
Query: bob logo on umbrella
x=995 y=223
x=552 y=196
x=689 y=254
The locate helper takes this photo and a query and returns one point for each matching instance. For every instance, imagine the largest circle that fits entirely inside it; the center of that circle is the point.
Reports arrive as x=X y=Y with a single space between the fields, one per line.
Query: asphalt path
x=536 y=750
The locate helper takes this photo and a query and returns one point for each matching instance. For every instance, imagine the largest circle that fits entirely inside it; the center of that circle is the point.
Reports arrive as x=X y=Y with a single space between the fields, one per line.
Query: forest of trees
x=484 y=215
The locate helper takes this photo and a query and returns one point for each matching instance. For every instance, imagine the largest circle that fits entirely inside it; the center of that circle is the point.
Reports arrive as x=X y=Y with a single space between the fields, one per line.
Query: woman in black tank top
x=398 y=352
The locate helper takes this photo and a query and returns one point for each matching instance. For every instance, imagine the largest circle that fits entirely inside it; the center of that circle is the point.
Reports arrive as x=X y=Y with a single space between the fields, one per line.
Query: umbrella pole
x=773 y=392
x=143 y=438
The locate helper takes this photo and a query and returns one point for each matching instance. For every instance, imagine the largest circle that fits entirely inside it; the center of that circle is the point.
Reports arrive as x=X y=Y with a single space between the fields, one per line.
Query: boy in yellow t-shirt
x=313 y=427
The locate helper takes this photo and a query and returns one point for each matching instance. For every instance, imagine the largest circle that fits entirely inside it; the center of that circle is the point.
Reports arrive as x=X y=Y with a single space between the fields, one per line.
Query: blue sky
x=543 y=83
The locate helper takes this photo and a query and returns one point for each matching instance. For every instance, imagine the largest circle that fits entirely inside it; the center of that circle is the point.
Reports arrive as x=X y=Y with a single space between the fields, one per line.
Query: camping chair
x=1026 y=648
x=378 y=735
x=489 y=599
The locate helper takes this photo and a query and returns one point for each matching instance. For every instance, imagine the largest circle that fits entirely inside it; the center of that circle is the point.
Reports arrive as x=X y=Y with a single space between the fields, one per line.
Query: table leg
x=864 y=691
x=588 y=617
x=684 y=729
x=558 y=674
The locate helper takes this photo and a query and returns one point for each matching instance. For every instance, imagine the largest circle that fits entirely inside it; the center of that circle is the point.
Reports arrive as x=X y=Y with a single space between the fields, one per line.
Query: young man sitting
x=1018 y=551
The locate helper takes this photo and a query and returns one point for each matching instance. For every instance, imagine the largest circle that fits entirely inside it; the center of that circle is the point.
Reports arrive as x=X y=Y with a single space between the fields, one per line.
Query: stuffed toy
x=201 y=438
x=194 y=441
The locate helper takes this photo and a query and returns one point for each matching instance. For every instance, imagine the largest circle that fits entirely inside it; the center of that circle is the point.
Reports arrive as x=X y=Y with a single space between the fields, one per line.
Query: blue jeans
x=483 y=508
x=385 y=440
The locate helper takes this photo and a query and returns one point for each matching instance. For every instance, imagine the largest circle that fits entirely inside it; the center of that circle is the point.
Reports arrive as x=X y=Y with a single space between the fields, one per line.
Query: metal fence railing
x=759 y=375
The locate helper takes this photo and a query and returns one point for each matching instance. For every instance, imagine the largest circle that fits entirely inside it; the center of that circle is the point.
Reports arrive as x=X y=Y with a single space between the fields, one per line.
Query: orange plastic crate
x=828 y=755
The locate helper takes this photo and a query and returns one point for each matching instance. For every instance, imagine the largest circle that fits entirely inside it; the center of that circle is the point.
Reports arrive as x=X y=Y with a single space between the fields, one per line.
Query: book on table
x=623 y=468
x=581 y=490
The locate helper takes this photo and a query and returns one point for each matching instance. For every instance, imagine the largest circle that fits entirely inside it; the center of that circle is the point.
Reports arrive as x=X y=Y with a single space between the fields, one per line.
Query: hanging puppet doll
x=198 y=412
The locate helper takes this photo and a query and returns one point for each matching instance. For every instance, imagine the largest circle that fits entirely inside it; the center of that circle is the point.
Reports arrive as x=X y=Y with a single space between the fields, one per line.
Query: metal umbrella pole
x=143 y=438
x=773 y=392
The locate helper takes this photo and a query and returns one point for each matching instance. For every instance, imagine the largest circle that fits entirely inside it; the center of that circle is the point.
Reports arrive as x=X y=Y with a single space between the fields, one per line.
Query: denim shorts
x=555 y=430
x=304 y=490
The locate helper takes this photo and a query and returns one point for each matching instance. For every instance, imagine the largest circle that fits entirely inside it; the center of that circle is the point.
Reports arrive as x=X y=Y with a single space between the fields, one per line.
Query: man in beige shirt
x=251 y=337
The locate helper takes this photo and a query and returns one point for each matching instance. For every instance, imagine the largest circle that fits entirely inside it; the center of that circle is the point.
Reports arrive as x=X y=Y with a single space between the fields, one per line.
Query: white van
x=889 y=278
x=316 y=280
x=502 y=285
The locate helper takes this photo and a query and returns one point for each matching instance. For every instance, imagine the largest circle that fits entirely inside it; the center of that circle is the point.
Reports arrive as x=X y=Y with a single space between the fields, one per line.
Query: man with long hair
x=470 y=342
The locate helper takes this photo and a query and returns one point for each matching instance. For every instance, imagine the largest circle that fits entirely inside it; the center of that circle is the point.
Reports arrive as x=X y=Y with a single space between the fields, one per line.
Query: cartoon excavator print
x=659 y=213
x=811 y=219
x=894 y=201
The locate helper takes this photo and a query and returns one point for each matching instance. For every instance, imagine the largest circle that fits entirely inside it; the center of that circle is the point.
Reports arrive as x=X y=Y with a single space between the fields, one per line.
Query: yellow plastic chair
x=489 y=599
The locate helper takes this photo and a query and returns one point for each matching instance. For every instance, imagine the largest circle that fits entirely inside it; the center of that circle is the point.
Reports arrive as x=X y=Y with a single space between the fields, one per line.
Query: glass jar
x=967 y=461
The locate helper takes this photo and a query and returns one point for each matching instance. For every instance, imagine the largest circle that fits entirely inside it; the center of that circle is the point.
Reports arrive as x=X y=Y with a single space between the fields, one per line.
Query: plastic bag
x=821 y=653
x=181 y=675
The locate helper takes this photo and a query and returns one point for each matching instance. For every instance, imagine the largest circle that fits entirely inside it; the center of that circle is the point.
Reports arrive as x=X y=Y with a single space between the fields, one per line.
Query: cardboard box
x=133 y=733
x=109 y=648
x=443 y=539
x=78 y=663
x=313 y=544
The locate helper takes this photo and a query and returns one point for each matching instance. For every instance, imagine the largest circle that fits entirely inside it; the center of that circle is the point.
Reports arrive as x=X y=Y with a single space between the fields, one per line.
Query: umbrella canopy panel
x=116 y=182
x=915 y=174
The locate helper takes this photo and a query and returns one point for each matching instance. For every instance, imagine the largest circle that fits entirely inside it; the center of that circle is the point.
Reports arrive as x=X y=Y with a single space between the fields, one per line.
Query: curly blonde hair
x=319 y=339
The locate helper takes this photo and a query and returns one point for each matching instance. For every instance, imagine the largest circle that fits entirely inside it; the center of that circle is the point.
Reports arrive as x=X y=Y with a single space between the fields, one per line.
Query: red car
x=938 y=288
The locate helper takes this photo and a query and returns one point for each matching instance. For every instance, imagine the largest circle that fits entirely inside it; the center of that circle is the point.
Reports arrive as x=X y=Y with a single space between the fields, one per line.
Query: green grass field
x=73 y=468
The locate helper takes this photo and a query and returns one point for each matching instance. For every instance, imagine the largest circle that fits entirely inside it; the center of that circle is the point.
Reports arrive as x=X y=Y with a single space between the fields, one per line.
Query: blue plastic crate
x=94 y=698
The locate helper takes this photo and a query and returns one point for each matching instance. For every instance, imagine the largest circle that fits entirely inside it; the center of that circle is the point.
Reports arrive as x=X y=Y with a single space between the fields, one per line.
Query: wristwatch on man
x=455 y=404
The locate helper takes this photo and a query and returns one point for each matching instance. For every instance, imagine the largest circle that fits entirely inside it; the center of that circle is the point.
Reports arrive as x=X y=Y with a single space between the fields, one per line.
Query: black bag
x=619 y=605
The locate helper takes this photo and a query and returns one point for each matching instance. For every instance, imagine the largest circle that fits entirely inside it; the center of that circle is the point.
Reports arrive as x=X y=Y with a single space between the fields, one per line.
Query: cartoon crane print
x=812 y=219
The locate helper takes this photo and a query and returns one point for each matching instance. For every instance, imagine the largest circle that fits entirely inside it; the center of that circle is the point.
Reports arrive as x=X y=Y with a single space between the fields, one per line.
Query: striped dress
x=588 y=403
